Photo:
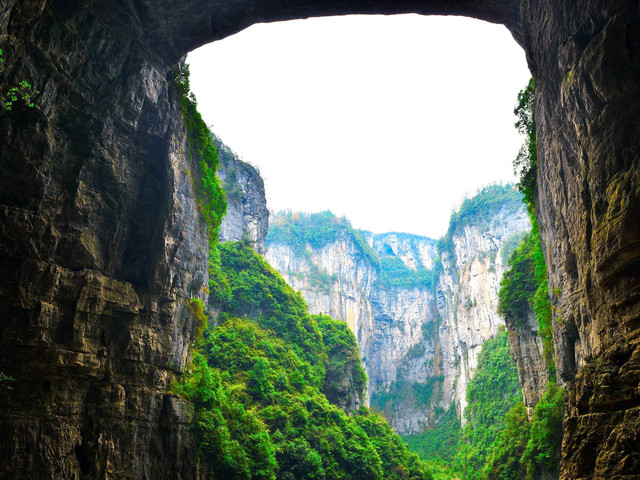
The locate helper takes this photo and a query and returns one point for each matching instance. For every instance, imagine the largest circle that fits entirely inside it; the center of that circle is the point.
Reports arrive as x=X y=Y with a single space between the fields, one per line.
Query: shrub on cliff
x=257 y=388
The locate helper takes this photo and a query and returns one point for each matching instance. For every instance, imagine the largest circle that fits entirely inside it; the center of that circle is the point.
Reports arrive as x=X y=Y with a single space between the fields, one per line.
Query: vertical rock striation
x=91 y=202
x=526 y=350
x=420 y=322
x=247 y=215
x=100 y=243
x=467 y=294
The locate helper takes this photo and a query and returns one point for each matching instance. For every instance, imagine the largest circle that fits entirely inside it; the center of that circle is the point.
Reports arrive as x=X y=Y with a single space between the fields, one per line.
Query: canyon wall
x=91 y=188
x=247 y=216
x=467 y=293
x=419 y=336
x=100 y=244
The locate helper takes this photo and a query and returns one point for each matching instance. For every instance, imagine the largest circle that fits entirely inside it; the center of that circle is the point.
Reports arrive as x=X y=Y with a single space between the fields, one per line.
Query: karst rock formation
x=101 y=240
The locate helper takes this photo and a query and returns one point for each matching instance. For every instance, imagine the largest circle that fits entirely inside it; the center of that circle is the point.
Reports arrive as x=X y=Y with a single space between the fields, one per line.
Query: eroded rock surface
x=247 y=216
x=419 y=341
x=93 y=201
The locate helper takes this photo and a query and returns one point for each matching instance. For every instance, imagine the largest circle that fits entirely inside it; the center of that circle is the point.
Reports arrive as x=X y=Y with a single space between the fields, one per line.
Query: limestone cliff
x=247 y=215
x=467 y=292
x=420 y=321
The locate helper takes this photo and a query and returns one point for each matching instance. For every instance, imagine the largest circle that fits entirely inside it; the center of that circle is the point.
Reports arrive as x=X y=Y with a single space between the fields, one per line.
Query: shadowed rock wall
x=100 y=241
x=100 y=244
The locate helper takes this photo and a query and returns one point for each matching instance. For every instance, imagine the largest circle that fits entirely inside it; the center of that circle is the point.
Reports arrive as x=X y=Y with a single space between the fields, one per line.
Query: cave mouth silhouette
x=362 y=101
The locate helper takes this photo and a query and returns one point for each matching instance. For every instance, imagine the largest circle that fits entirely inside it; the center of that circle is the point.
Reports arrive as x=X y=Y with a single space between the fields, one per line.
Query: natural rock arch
x=99 y=233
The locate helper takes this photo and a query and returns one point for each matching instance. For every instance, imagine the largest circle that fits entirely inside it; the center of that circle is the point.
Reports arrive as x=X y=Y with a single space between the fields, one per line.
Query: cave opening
x=388 y=120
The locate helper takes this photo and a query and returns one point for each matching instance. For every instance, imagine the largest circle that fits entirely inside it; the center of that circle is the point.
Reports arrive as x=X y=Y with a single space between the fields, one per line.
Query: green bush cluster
x=439 y=443
x=491 y=393
x=258 y=388
x=299 y=230
x=203 y=154
x=395 y=274
x=22 y=92
x=343 y=358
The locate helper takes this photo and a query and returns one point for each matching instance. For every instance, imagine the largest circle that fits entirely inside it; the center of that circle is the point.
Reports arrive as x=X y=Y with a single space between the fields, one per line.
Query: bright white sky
x=389 y=121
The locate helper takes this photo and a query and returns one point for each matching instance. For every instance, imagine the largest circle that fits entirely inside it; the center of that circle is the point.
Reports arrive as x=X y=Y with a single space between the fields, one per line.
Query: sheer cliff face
x=88 y=187
x=467 y=294
x=419 y=343
x=247 y=216
x=100 y=243
x=336 y=280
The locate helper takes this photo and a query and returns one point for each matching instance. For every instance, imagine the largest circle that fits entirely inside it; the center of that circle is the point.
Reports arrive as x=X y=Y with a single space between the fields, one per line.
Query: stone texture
x=467 y=298
x=247 y=215
x=87 y=188
x=419 y=345
x=526 y=350
x=100 y=243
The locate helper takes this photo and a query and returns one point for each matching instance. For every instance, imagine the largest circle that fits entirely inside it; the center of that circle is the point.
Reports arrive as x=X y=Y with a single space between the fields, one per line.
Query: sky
x=388 y=120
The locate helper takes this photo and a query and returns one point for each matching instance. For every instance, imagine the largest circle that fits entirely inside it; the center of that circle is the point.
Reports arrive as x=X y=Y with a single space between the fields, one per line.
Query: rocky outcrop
x=526 y=350
x=100 y=244
x=467 y=295
x=419 y=338
x=342 y=279
x=247 y=216
x=86 y=187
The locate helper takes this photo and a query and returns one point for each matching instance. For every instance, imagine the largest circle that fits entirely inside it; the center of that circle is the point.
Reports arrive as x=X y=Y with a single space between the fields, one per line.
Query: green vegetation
x=5 y=380
x=204 y=161
x=198 y=309
x=203 y=153
x=257 y=386
x=524 y=287
x=518 y=285
x=299 y=230
x=526 y=163
x=455 y=452
x=491 y=393
x=543 y=448
x=11 y=94
x=401 y=392
x=343 y=358
x=395 y=274
x=505 y=460
x=440 y=444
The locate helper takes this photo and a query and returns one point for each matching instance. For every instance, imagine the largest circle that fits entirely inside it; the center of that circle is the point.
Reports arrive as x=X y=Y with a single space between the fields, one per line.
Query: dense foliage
x=395 y=274
x=525 y=165
x=257 y=387
x=491 y=393
x=204 y=156
x=505 y=459
x=299 y=230
x=439 y=444
x=343 y=359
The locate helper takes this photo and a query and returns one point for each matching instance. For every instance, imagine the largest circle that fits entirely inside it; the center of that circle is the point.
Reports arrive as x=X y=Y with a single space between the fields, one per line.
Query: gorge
x=102 y=241
x=420 y=312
